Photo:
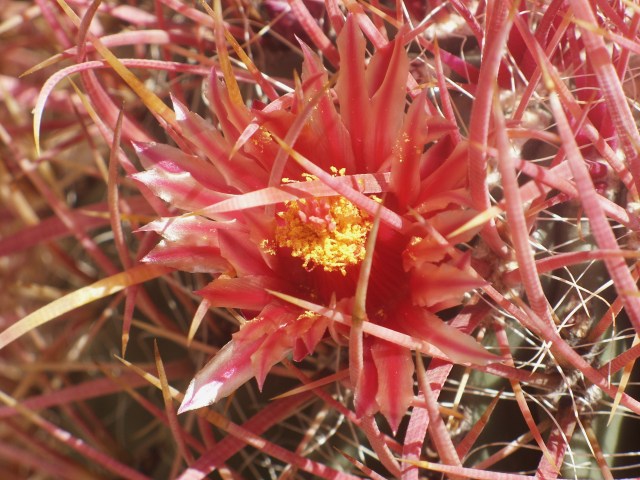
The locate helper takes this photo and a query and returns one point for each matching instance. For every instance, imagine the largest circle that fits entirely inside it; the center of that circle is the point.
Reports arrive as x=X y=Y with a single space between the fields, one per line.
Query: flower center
x=326 y=232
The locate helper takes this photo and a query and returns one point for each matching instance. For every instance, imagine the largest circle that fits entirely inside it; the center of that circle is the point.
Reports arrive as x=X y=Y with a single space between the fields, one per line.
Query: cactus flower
x=283 y=197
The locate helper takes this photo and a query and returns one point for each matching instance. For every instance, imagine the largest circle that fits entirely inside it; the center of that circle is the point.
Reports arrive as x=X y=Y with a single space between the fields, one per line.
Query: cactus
x=306 y=239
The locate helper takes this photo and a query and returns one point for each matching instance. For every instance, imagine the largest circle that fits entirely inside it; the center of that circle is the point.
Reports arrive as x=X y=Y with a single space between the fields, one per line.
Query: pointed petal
x=365 y=392
x=308 y=330
x=238 y=171
x=446 y=200
x=459 y=347
x=315 y=333
x=305 y=323
x=448 y=175
x=450 y=221
x=432 y=284
x=178 y=189
x=351 y=87
x=274 y=348
x=221 y=376
x=387 y=74
x=245 y=293
x=395 y=380
x=270 y=319
x=188 y=258
x=407 y=152
x=429 y=249
x=233 y=117
x=325 y=123
x=244 y=254
x=172 y=160
x=300 y=350
x=190 y=230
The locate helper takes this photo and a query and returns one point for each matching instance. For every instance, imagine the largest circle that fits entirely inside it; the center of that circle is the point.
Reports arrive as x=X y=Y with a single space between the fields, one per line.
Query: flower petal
x=270 y=319
x=171 y=160
x=433 y=284
x=312 y=336
x=387 y=74
x=305 y=324
x=221 y=376
x=365 y=392
x=429 y=248
x=245 y=293
x=245 y=256
x=274 y=348
x=407 y=152
x=458 y=346
x=445 y=176
x=395 y=380
x=188 y=258
x=233 y=117
x=351 y=88
x=178 y=189
x=325 y=122
x=189 y=230
x=238 y=171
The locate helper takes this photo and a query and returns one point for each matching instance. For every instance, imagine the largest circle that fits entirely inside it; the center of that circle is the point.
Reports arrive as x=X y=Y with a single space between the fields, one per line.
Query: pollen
x=328 y=233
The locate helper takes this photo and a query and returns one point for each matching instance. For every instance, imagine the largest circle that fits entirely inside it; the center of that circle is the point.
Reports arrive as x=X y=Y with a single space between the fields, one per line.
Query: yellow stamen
x=324 y=232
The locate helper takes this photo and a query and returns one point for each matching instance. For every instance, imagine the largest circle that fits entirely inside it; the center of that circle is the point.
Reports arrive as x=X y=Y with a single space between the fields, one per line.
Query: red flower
x=268 y=219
